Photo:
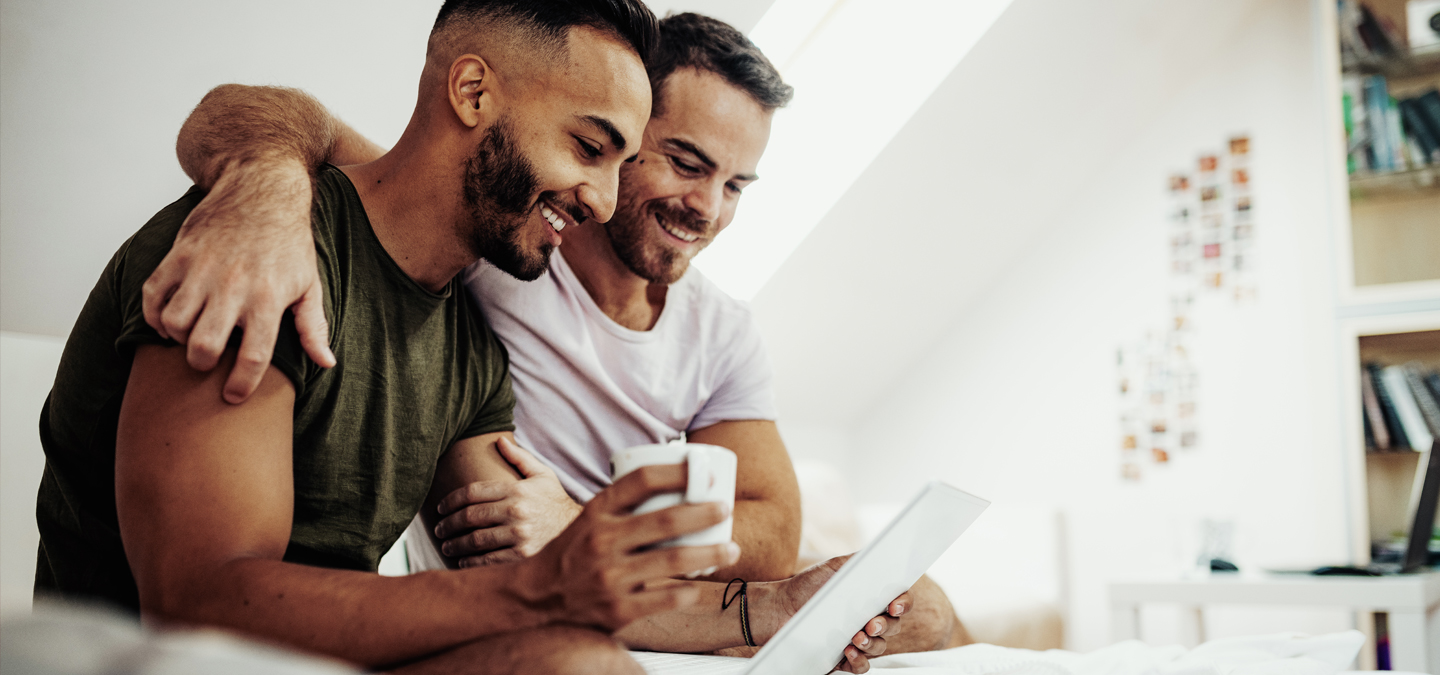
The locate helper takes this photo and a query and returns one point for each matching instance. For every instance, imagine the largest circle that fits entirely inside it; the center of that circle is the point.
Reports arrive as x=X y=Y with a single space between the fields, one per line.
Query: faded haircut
x=546 y=24
x=694 y=41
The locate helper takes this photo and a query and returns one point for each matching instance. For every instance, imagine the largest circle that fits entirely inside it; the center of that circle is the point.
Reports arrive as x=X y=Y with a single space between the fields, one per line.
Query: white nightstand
x=1412 y=601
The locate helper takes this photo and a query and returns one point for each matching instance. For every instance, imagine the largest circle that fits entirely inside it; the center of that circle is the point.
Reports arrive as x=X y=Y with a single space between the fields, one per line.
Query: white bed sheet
x=1280 y=654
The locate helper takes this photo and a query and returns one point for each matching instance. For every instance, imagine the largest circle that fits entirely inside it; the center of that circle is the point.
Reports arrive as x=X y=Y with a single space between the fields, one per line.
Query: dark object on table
x=1220 y=565
x=1344 y=571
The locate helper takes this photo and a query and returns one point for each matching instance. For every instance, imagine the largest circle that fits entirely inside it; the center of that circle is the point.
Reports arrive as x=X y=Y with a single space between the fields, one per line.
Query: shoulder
x=142 y=253
x=703 y=304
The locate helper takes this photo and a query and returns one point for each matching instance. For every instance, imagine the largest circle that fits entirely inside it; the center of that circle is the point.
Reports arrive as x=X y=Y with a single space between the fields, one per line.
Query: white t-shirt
x=587 y=387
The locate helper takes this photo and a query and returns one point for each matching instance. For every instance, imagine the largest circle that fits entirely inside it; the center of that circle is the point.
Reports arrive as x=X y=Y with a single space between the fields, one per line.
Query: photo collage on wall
x=1211 y=232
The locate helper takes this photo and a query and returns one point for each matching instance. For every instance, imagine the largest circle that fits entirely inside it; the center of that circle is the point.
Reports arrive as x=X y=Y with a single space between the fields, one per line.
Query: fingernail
x=864 y=640
x=899 y=608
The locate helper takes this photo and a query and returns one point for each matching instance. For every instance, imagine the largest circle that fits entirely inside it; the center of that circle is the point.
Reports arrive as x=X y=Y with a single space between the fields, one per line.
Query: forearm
x=704 y=626
x=769 y=539
x=359 y=617
x=236 y=124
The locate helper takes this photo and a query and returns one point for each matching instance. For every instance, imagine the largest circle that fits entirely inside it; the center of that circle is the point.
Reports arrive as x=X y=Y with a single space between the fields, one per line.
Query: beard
x=632 y=238
x=498 y=189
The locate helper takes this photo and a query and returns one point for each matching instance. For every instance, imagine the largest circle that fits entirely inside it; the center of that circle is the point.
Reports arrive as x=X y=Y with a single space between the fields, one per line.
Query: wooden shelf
x=1405 y=64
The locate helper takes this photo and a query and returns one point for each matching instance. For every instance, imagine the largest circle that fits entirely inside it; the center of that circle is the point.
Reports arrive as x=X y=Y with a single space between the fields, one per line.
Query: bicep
x=763 y=468
x=199 y=482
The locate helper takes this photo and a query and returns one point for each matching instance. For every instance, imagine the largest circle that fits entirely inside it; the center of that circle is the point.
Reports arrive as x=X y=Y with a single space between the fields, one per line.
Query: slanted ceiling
x=988 y=165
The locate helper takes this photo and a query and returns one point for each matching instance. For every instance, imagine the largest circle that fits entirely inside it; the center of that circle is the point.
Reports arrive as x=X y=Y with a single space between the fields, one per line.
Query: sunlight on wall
x=860 y=69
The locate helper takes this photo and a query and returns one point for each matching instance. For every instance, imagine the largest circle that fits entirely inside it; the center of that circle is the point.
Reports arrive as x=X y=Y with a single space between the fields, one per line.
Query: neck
x=410 y=198
x=627 y=298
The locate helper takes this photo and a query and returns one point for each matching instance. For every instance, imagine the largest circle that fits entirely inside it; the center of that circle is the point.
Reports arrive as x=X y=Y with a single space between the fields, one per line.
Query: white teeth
x=681 y=234
x=555 y=221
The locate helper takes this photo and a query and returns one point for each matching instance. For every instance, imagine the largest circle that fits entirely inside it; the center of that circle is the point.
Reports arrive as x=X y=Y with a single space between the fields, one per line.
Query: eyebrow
x=693 y=149
x=616 y=138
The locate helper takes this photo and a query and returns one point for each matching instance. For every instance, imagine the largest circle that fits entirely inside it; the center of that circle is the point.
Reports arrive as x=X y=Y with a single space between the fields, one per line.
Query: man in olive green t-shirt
x=268 y=517
x=358 y=478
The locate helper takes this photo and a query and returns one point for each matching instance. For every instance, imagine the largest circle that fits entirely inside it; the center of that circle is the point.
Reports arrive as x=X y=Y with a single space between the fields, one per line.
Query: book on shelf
x=1398 y=441
x=1363 y=34
x=1384 y=134
x=1378 y=435
x=1424 y=399
x=1417 y=432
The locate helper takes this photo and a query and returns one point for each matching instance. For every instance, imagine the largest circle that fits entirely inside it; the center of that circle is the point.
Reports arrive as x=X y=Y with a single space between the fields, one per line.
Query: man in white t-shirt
x=621 y=344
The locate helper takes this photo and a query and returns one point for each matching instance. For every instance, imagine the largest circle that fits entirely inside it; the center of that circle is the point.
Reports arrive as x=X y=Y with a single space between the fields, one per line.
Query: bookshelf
x=1390 y=247
x=1387 y=256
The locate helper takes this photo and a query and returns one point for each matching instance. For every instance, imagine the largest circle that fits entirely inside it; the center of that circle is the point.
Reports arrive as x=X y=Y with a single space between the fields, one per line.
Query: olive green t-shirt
x=417 y=371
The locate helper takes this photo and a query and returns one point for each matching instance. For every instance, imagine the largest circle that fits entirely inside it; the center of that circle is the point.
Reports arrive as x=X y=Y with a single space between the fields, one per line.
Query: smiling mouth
x=555 y=220
x=676 y=232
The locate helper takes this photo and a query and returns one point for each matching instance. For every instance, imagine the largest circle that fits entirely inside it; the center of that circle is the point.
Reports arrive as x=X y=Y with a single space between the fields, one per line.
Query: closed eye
x=682 y=167
x=590 y=150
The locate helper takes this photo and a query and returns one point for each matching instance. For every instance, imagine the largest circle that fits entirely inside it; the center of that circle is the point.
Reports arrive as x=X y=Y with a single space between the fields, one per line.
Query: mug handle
x=700 y=475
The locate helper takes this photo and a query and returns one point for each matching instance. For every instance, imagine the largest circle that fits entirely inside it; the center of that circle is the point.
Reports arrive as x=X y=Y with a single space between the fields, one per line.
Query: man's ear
x=470 y=85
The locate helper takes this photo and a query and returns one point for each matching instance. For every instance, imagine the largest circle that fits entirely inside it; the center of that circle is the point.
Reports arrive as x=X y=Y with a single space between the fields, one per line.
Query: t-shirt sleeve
x=497 y=409
x=138 y=259
x=745 y=390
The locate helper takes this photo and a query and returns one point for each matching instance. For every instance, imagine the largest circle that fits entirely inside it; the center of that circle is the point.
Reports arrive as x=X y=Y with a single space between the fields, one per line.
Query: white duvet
x=1281 y=654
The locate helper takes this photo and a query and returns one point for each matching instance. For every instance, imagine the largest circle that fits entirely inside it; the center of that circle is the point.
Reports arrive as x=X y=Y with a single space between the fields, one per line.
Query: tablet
x=812 y=641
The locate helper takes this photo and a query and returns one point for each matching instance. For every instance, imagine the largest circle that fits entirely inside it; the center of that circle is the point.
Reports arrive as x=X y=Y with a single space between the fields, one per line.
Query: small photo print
x=1212 y=220
x=1160 y=455
x=1189 y=439
x=1240 y=145
x=1209 y=194
x=1130 y=471
x=1157 y=427
x=1187 y=409
x=1242 y=204
x=1215 y=280
x=1244 y=231
x=1129 y=442
x=1209 y=162
x=1240 y=176
x=1179 y=183
x=1212 y=251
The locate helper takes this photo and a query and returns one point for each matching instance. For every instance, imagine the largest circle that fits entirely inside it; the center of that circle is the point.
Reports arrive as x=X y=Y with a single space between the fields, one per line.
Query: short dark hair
x=694 y=41
x=629 y=20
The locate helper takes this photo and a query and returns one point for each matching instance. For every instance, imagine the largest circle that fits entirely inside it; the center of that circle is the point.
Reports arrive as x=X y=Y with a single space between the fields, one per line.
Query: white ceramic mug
x=710 y=477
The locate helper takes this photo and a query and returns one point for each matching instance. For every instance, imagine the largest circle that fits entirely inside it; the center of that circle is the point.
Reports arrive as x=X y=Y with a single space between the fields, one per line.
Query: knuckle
x=253 y=358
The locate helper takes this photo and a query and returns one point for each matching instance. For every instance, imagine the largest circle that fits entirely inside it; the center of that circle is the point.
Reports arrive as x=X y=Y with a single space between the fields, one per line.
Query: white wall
x=27 y=369
x=1017 y=401
x=95 y=91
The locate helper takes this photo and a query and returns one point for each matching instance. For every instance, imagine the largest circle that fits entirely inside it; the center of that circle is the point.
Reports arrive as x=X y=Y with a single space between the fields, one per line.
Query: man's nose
x=598 y=195
x=706 y=199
